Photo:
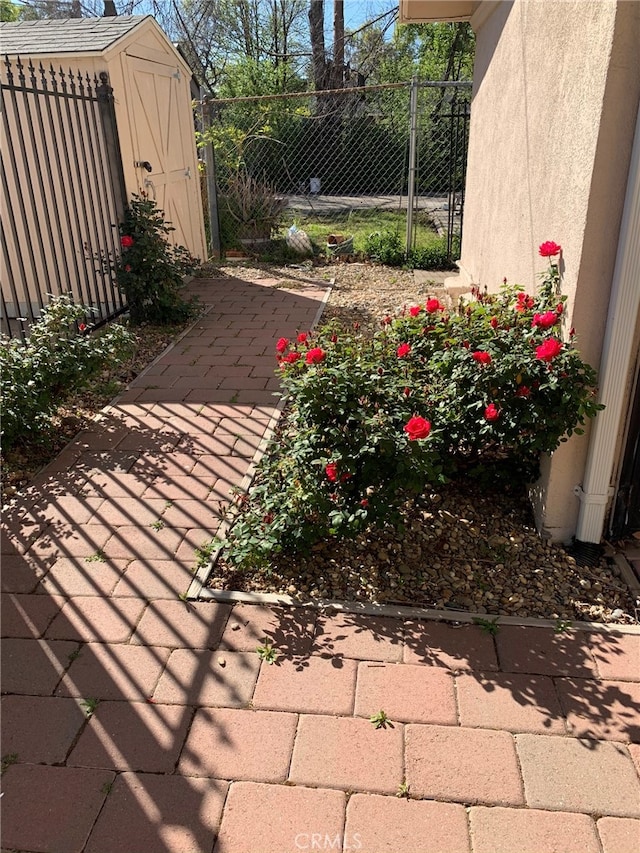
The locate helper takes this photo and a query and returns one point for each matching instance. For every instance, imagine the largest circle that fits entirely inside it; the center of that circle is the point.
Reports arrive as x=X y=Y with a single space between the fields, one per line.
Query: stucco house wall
x=555 y=102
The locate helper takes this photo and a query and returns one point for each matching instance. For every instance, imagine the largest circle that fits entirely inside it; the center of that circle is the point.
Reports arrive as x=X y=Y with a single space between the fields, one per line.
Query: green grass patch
x=361 y=224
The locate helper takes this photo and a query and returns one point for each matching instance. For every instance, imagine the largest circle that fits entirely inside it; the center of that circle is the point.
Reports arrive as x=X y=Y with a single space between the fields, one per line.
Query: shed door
x=163 y=135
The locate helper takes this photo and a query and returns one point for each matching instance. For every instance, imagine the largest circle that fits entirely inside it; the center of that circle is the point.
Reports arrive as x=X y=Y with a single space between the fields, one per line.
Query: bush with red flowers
x=150 y=271
x=433 y=394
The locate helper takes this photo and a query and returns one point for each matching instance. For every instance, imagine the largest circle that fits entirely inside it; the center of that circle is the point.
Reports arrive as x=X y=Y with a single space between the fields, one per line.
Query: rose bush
x=150 y=270
x=372 y=421
x=58 y=358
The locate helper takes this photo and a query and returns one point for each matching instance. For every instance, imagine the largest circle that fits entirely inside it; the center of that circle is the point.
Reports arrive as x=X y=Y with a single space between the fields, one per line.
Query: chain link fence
x=342 y=165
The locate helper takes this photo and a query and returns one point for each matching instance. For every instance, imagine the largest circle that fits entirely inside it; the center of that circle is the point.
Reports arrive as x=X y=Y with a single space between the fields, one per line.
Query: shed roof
x=65 y=35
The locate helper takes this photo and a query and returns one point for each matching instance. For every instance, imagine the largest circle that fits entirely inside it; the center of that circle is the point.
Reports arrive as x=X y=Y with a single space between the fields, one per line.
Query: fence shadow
x=105 y=668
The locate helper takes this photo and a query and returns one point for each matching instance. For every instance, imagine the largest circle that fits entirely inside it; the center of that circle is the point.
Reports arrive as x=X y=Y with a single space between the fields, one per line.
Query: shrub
x=150 y=271
x=385 y=247
x=371 y=422
x=253 y=206
x=435 y=256
x=58 y=358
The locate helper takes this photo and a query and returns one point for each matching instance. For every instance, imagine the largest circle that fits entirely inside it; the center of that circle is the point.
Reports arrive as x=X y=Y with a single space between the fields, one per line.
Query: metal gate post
x=215 y=246
x=108 y=115
x=413 y=147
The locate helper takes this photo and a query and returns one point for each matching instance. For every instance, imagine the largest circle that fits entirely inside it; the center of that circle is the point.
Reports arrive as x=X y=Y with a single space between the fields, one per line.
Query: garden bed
x=462 y=546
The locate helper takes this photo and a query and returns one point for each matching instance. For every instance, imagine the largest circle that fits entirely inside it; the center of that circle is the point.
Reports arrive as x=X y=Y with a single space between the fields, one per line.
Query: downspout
x=615 y=364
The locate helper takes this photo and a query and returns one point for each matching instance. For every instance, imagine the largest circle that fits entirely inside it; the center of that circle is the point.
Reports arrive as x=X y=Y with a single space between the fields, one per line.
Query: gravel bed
x=462 y=547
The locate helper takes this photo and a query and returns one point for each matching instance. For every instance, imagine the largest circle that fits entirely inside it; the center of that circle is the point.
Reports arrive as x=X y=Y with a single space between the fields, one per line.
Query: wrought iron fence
x=379 y=158
x=62 y=192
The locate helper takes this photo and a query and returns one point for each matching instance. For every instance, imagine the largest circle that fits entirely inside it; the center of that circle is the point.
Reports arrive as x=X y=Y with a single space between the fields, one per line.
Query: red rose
x=282 y=344
x=315 y=356
x=417 y=427
x=334 y=339
x=493 y=322
x=491 y=413
x=127 y=268
x=434 y=305
x=407 y=392
x=302 y=338
x=466 y=344
x=546 y=320
x=524 y=301
x=364 y=503
x=291 y=357
x=403 y=350
x=415 y=310
x=82 y=327
x=559 y=308
x=481 y=357
x=549 y=349
x=523 y=391
x=126 y=242
x=549 y=249
x=331 y=470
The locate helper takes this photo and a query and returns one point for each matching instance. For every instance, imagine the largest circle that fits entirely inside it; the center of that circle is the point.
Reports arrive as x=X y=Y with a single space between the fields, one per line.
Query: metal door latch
x=143 y=164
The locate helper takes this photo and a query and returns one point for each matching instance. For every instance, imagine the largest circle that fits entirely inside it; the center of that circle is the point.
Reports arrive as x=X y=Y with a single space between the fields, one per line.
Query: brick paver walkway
x=527 y=742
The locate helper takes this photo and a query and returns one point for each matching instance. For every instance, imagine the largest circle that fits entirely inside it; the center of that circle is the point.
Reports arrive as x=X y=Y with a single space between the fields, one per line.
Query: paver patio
x=526 y=742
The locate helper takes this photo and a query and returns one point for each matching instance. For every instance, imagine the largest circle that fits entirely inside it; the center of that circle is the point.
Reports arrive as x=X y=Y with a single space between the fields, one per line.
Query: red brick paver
x=40 y=729
x=500 y=830
x=406 y=693
x=278 y=819
x=145 y=812
x=583 y=776
x=340 y=752
x=182 y=624
x=51 y=809
x=517 y=703
x=459 y=648
x=619 y=834
x=288 y=630
x=117 y=671
x=203 y=677
x=132 y=736
x=541 y=651
x=239 y=744
x=311 y=685
x=462 y=765
x=388 y=825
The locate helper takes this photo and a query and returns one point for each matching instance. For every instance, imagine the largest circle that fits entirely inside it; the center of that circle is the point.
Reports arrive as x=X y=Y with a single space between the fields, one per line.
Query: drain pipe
x=617 y=353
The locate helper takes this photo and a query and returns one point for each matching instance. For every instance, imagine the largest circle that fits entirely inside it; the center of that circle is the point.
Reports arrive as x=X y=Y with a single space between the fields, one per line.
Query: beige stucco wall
x=556 y=89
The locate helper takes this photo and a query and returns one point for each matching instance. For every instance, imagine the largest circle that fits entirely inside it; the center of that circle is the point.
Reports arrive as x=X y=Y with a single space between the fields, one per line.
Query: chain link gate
x=343 y=164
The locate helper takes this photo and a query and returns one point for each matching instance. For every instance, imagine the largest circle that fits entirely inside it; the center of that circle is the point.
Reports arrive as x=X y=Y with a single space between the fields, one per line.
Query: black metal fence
x=392 y=155
x=63 y=192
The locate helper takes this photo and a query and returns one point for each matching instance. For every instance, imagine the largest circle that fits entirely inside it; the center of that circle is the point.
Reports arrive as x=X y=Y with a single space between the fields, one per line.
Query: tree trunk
x=316 y=32
x=338 y=45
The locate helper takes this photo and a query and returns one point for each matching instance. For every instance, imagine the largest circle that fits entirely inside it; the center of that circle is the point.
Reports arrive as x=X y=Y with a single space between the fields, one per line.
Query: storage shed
x=152 y=104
